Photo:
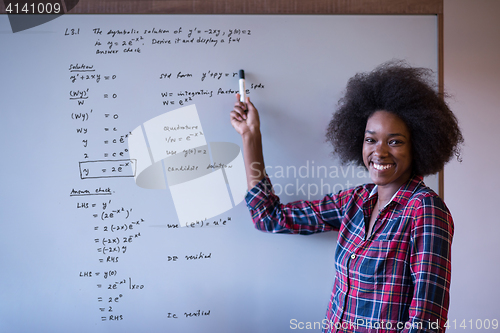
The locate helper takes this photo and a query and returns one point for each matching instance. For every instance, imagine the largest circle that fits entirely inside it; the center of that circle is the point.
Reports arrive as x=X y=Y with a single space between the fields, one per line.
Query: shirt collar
x=403 y=195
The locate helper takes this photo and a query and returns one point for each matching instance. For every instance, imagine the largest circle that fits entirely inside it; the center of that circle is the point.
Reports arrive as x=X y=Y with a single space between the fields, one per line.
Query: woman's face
x=387 y=150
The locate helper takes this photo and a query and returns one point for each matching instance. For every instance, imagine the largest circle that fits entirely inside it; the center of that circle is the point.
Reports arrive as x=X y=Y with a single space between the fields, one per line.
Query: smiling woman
x=387 y=150
x=410 y=94
x=387 y=156
x=393 y=256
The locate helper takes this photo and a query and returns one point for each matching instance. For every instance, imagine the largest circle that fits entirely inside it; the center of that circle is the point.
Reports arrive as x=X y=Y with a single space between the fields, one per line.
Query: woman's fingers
x=240 y=112
x=236 y=115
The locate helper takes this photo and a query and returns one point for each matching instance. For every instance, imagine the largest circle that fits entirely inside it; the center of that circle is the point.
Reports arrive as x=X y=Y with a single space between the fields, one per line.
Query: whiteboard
x=85 y=248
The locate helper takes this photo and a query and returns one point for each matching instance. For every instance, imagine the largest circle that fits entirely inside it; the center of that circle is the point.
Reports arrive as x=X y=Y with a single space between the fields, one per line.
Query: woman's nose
x=381 y=149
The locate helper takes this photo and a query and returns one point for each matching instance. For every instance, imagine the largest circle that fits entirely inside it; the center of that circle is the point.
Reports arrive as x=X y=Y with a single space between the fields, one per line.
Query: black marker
x=242 y=86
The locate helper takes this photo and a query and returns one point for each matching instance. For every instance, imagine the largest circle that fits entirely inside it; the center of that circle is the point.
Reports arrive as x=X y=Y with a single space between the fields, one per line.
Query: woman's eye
x=395 y=142
x=369 y=140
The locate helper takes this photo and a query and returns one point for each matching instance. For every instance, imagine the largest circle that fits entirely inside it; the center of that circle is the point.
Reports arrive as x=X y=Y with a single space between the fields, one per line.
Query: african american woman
x=393 y=255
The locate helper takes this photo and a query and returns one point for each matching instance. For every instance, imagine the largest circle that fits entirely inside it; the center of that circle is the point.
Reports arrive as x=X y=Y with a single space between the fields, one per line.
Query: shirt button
x=353 y=256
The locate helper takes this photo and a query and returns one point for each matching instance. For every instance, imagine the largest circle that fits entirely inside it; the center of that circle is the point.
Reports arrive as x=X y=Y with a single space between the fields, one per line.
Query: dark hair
x=409 y=93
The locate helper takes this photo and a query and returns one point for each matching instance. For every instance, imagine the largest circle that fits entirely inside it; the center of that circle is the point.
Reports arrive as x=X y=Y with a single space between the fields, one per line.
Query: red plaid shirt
x=397 y=279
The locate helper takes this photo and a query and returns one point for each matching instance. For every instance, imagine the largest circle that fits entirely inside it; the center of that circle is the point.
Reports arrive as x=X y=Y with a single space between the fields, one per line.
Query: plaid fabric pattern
x=397 y=279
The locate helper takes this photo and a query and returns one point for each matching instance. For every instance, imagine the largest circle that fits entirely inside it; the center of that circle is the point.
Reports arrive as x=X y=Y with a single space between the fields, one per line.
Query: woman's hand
x=245 y=118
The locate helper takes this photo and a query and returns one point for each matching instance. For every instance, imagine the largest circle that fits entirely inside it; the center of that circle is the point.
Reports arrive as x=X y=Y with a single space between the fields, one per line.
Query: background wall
x=472 y=76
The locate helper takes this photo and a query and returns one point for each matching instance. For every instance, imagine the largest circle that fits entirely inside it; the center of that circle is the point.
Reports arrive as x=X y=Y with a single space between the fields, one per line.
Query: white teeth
x=382 y=166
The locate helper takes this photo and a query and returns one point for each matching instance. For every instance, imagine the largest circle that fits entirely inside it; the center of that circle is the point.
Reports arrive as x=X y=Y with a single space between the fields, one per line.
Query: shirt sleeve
x=299 y=217
x=430 y=265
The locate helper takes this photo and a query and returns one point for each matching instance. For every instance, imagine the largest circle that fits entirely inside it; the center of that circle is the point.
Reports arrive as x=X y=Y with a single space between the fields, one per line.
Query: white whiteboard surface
x=69 y=266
